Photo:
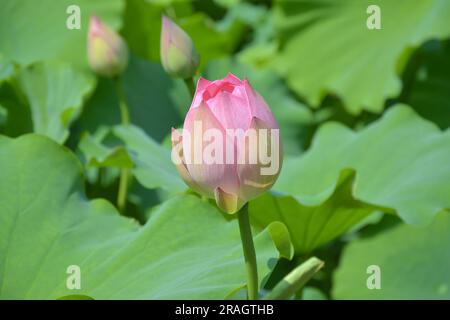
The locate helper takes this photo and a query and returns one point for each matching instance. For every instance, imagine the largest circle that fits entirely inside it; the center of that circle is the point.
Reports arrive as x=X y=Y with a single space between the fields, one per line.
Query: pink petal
x=231 y=110
x=207 y=176
x=180 y=164
x=231 y=78
x=252 y=182
x=202 y=84
x=258 y=107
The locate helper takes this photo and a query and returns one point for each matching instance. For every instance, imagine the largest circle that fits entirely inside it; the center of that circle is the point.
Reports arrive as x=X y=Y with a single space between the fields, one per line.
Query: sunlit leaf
x=153 y=163
x=398 y=164
x=328 y=48
x=412 y=262
x=186 y=250
x=55 y=93
x=31 y=30
x=98 y=154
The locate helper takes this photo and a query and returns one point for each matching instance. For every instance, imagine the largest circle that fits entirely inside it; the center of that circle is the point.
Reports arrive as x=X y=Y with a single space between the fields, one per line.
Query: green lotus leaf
x=48 y=228
x=409 y=260
x=153 y=164
x=6 y=69
x=97 y=154
x=55 y=92
x=430 y=91
x=398 y=164
x=32 y=31
x=328 y=48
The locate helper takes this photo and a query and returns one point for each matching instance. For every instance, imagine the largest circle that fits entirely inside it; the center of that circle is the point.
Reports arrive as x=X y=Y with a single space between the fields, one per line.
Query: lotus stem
x=124 y=172
x=249 y=253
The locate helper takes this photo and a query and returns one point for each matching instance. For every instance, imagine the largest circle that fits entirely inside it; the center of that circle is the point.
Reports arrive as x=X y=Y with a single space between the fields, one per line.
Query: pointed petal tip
x=202 y=83
x=165 y=19
x=176 y=135
x=95 y=24
x=231 y=78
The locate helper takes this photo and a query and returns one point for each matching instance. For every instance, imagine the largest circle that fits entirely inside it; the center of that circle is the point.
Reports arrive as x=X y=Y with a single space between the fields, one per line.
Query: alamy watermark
x=234 y=146
x=374 y=280
x=373 y=22
x=73 y=281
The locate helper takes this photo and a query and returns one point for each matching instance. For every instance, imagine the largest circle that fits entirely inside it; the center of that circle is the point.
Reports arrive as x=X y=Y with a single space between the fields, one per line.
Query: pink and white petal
x=178 y=160
x=202 y=85
x=231 y=78
x=253 y=180
x=231 y=110
x=258 y=107
x=207 y=176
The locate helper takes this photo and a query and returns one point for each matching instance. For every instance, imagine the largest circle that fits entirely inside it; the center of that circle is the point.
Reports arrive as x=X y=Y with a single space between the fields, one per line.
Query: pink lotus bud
x=178 y=55
x=107 y=52
x=230 y=147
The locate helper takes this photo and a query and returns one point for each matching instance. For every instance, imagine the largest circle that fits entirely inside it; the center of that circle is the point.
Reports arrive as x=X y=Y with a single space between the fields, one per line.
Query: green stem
x=249 y=253
x=123 y=186
x=191 y=85
x=124 y=113
x=124 y=172
x=295 y=280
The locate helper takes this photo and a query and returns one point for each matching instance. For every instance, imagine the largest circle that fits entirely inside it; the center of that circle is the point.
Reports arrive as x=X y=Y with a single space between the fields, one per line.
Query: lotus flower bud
x=229 y=149
x=107 y=52
x=178 y=55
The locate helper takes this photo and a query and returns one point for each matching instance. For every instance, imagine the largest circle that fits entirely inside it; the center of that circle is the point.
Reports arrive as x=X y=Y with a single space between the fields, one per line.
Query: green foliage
x=30 y=31
x=430 y=92
x=97 y=154
x=47 y=223
x=412 y=262
x=154 y=167
x=364 y=118
x=327 y=47
x=55 y=94
x=400 y=163
x=339 y=181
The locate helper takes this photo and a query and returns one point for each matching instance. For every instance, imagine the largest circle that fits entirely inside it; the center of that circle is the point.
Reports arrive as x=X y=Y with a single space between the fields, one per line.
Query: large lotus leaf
x=55 y=93
x=413 y=264
x=397 y=164
x=36 y=30
x=153 y=164
x=430 y=92
x=312 y=226
x=401 y=162
x=186 y=250
x=328 y=48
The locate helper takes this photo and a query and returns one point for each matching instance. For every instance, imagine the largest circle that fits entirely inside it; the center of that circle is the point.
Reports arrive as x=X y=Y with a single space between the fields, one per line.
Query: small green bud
x=178 y=55
x=107 y=52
